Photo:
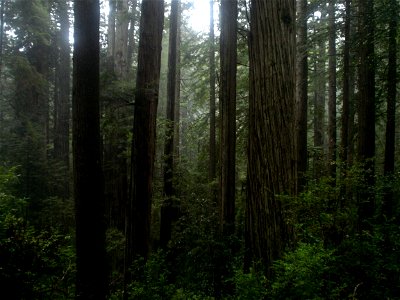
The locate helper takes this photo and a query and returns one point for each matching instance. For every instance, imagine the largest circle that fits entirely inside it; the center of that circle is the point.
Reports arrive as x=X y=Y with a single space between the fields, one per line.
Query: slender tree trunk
x=302 y=92
x=228 y=57
x=115 y=145
x=2 y=3
x=319 y=105
x=212 y=149
x=121 y=40
x=111 y=35
x=169 y=208
x=272 y=169
x=332 y=91
x=91 y=275
x=346 y=88
x=352 y=91
x=62 y=120
x=131 y=35
x=366 y=110
x=391 y=105
x=178 y=92
x=144 y=132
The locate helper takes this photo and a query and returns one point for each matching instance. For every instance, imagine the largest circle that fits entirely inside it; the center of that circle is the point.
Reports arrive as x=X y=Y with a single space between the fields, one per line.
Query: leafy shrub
x=150 y=279
x=250 y=285
x=35 y=265
x=300 y=274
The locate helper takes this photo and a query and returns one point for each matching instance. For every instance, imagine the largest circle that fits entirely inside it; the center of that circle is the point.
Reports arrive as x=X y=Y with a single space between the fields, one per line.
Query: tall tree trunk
x=347 y=117
x=2 y=3
x=272 y=169
x=319 y=104
x=302 y=92
x=62 y=106
x=344 y=137
x=32 y=101
x=144 y=132
x=131 y=35
x=169 y=207
x=111 y=35
x=115 y=145
x=212 y=149
x=391 y=105
x=228 y=58
x=121 y=40
x=366 y=110
x=91 y=276
x=178 y=93
x=332 y=91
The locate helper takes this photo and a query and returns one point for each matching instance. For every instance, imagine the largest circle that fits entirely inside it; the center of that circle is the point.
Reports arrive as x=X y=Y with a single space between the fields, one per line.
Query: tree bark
x=62 y=105
x=144 y=132
x=169 y=206
x=111 y=35
x=212 y=149
x=344 y=148
x=272 y=169
x=131 y=35
x=121 y=40
x=228 y=61
x=302 y=92
x=332 y=91
x=319 y=104
x=91 y=275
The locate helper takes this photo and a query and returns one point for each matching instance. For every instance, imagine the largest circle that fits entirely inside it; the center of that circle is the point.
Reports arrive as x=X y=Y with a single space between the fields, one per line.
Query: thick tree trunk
x=91 y=276
x=169 y=207
x=228 y=58
x=272 y=169
x=302 y=92
x=144 y=132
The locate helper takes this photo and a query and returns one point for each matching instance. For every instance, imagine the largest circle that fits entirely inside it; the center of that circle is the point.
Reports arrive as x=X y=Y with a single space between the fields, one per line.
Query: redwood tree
x=168 y=208
x=62 y=102
x=212 y=146
x=144 y=131
x=228 y=57
x=271 y=152
x=344 y=135
x=302 y=91
x=91 y=275
x=332 y=90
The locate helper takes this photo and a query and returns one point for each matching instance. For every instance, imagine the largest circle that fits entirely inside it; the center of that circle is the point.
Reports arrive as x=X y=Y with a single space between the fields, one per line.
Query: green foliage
x=300 y=274
x=252 y=285
x=35 y=265
x=150 y=279
x=334 y=259
x=9 y=204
